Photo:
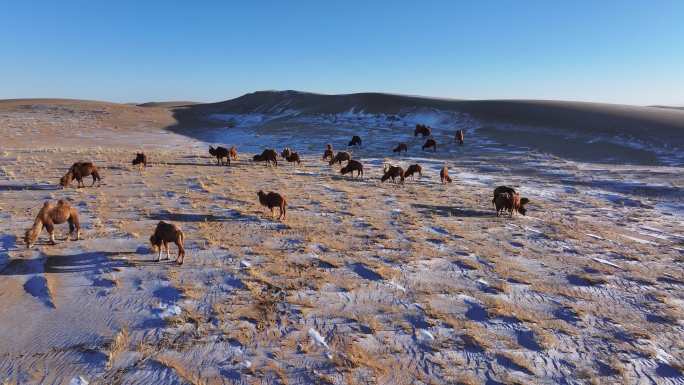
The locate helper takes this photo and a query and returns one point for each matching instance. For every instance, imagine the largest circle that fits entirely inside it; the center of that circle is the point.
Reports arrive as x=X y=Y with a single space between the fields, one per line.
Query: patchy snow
x=605 y=262
x=318 y=338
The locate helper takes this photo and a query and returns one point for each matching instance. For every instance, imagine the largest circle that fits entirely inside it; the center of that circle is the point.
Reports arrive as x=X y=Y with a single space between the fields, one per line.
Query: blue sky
x=612 y=51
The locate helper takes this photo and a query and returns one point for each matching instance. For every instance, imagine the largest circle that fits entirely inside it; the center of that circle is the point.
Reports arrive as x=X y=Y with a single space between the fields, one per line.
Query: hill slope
x=591 y=131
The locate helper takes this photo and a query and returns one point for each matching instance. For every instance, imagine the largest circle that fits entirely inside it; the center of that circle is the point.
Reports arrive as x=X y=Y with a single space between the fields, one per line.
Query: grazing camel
x=273 y=200
x=293 y=158
x=220 y=153
x=140 y=160
x=328 y=152
x=353 y=165
x=232 y=153
x=269 y=156
x=412 y=169
x=393 y=172
x=459 y=136
x=422 y=130
x=340 y=157
x=164 y=234
x=356 y=141
x=49 y=216
x=78 y=171
x=507 y=199
x=430 y=143
x=401 y=147
x=286 y=152
x=444 y=175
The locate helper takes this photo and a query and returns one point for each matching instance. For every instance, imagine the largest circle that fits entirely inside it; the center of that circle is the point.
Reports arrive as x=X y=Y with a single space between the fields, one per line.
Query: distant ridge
x=169 y=104
x=550 y=114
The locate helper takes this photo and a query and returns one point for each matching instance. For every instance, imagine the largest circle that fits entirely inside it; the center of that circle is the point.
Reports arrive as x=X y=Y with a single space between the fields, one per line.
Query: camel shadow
x=61 y=264
x=233 y=215
x=449 y=211
x=30 y=187
x=194 y=164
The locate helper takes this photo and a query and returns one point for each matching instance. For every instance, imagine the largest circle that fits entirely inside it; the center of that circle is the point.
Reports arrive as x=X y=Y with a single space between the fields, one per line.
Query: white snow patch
x=605 y=262
x=638 y=240
x=78 y=381
x=318 y=338
x=397 y=286
x=168 y=310
x=425 y=335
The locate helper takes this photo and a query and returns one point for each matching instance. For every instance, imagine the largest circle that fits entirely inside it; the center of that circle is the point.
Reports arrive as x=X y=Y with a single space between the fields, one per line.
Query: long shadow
x=60 y=264
x=30 y=187
x=194 y=164
x=120 y=168
x=185 y=217
x=449 y=211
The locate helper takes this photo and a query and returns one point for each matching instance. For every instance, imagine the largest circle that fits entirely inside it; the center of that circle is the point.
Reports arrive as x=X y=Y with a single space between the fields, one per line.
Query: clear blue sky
x=601 y=50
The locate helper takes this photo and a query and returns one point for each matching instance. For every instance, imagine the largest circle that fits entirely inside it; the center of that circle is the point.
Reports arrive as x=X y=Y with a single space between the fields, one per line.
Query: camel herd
x=505 y=199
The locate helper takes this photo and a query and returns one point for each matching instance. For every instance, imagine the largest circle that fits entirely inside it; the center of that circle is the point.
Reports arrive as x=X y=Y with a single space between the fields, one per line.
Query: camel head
x=523 y=201
x=66 y=179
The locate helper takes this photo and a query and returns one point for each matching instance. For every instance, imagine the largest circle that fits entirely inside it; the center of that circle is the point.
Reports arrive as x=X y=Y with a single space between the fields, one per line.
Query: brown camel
x=78 y=171
x=273 y=200
x=49 y=216
x=164 y=234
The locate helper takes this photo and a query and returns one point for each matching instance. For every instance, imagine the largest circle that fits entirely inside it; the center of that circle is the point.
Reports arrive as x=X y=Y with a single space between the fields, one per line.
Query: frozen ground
x=363 y=283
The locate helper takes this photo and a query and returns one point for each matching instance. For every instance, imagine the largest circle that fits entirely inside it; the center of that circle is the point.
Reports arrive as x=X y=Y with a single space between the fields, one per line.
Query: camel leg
x=272 y=212
x=181 y=253
x=159 y=252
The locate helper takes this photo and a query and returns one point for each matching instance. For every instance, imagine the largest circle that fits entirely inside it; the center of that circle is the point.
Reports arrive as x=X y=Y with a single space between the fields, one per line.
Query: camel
x=356 y=141
x=353 y=165
x=460 y=136
x=165 y=233
x=140 y=160
x=78 y=171
x=293 y=158
x=328 y=152
x=401 y=147
x=430 y=143
x=269 y=156
x=220 y=153
x=444 y=175
x=49 y=216
x=232 y=153
x=507 y=199
x=412 y=169
x=393 y=172
x=273 y=200
x=422 y=130
x=340 y=157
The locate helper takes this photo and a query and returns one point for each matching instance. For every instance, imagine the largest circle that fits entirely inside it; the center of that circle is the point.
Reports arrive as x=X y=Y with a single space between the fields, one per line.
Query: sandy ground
x=363 y=283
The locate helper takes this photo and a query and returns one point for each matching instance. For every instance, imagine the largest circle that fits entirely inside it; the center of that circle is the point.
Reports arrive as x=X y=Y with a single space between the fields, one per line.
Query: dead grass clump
x=118 y=345
x=351 y=355
x=517 y=361
x=181 y=370
x=467 y=264
x=588 y=279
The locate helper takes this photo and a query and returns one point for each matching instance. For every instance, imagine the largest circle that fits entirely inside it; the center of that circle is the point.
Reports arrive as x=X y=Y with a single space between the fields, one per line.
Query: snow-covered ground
x=363 y=283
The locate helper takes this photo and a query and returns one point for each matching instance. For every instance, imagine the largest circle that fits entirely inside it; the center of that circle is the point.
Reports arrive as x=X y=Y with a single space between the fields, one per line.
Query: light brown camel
x=50 y=215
